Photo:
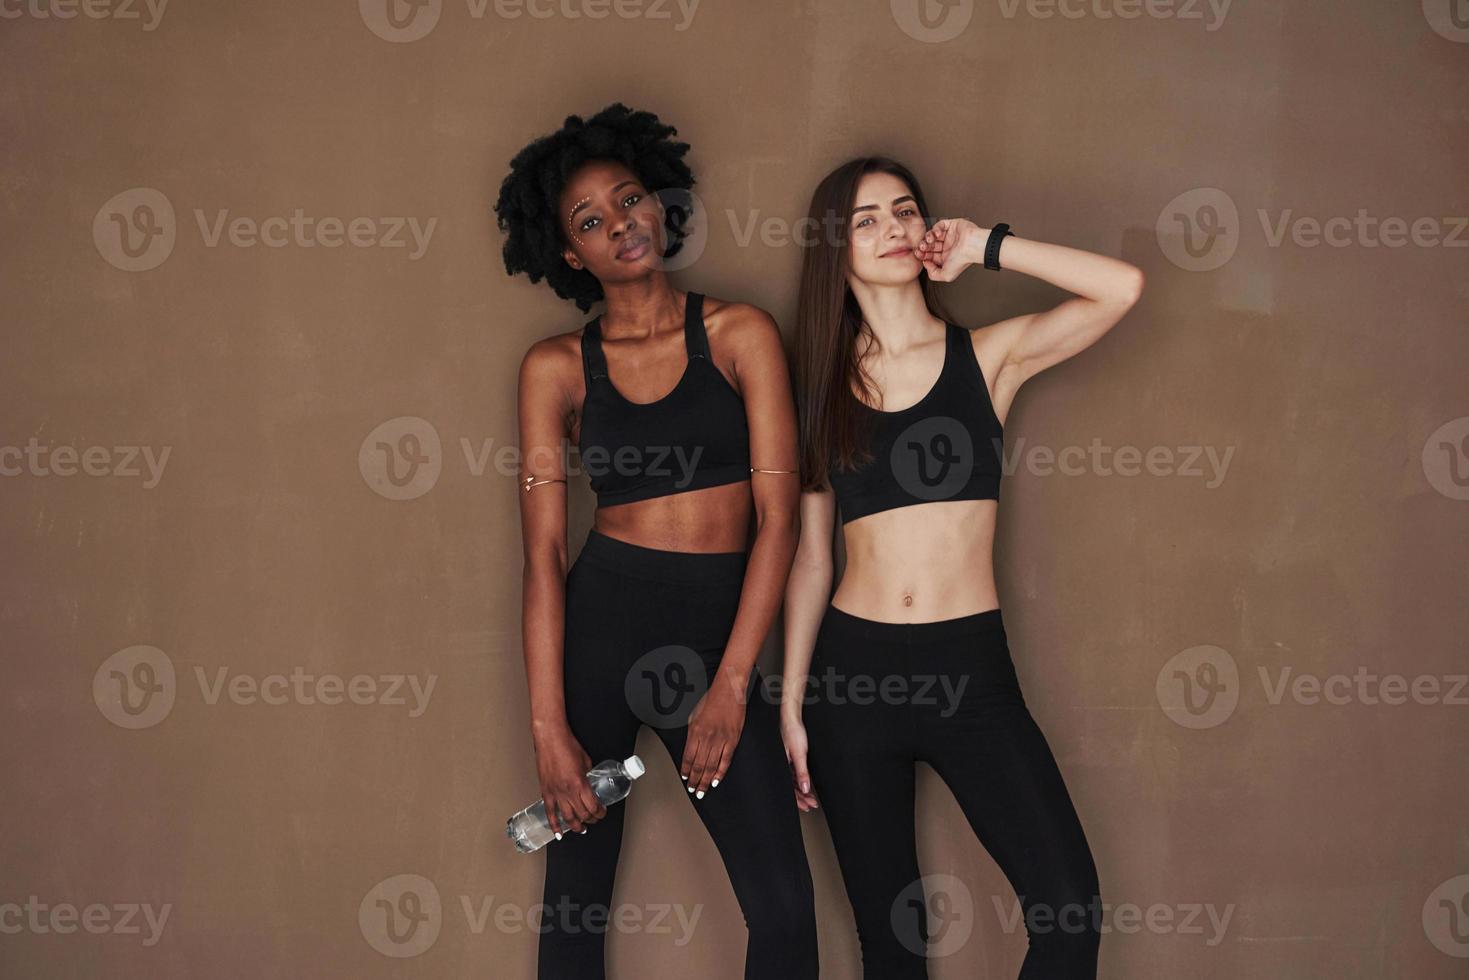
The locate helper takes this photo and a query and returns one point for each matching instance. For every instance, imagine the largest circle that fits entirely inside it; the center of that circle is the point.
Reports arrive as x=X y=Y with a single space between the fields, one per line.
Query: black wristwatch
x=992 y=247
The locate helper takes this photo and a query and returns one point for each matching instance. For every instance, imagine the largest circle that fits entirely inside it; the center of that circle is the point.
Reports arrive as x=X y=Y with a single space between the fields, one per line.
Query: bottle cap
x=634 y=766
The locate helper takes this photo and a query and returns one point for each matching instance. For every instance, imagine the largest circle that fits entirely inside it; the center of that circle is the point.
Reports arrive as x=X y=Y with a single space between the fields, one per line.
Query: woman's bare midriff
x=715 y=519
x=920 y=563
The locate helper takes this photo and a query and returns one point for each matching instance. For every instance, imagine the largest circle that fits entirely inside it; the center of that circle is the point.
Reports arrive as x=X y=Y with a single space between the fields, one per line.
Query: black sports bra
x=694 y=437
x=947 y=446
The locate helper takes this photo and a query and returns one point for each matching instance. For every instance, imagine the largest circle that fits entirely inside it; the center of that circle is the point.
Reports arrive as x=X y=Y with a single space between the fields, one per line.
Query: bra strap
x=594 y=363
x=696 y=340
x=961 y=346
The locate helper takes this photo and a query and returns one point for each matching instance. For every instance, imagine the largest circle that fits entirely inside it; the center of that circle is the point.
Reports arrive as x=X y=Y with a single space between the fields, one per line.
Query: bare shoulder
x=553 y=360
x=739 y=326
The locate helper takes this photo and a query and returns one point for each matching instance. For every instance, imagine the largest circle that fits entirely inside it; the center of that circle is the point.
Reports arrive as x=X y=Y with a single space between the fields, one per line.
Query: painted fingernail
x=685 y=779
x=713 y=783
x=584 y=830
x=558 y=836
x=699 y=795
x=689 y=788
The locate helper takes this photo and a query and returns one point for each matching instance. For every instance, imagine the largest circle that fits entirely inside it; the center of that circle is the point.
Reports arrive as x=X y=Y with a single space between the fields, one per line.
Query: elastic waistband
x=636 y=561
x=988 y=621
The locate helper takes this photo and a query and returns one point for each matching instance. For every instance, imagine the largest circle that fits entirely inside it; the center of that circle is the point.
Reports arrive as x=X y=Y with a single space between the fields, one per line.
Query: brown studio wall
x=284 y=465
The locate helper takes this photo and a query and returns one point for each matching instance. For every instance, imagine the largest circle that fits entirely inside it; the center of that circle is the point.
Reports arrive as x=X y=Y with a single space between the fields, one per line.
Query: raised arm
x=545 y=411
x=807 y=593
x=764 y=380
x=1021 y=347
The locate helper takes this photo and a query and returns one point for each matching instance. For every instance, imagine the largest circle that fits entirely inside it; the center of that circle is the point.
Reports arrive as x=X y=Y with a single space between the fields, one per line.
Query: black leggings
x=885 y=696
x=645 y=631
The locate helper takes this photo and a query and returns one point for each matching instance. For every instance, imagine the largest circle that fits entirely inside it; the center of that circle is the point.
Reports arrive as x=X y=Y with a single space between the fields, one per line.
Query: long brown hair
x=828 y=320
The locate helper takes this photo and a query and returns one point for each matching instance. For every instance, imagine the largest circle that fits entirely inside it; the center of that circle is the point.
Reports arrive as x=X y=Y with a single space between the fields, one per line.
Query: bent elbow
x=1131 y=287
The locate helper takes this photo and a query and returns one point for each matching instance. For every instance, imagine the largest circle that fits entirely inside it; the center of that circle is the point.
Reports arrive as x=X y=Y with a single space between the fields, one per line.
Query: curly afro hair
x=529 y=195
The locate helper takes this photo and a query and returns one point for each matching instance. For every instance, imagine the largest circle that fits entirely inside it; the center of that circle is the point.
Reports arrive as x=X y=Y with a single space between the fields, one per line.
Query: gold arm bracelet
x=531 y=481
x=754 y=470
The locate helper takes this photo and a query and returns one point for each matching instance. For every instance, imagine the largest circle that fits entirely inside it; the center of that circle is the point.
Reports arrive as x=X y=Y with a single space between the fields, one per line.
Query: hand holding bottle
x=609 y=782
x=562 y=765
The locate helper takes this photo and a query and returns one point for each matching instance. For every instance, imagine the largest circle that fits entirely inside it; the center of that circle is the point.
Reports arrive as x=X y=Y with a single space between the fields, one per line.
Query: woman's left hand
x=714 y=731
x=951 y=246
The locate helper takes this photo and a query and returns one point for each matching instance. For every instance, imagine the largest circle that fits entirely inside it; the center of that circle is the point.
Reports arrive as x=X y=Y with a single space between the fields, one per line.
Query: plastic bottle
x=611 y=782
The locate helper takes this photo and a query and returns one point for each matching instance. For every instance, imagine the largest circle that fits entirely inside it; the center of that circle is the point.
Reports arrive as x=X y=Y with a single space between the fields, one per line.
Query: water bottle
x=611 y=782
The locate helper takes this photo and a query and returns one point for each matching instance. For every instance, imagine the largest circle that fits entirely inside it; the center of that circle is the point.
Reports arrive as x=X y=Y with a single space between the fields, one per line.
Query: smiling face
x=884 y=228
x=613 y=226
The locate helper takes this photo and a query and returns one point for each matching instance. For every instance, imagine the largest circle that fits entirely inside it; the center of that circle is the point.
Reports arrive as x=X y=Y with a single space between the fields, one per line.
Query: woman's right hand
x=563 y=766
x=793 y=735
